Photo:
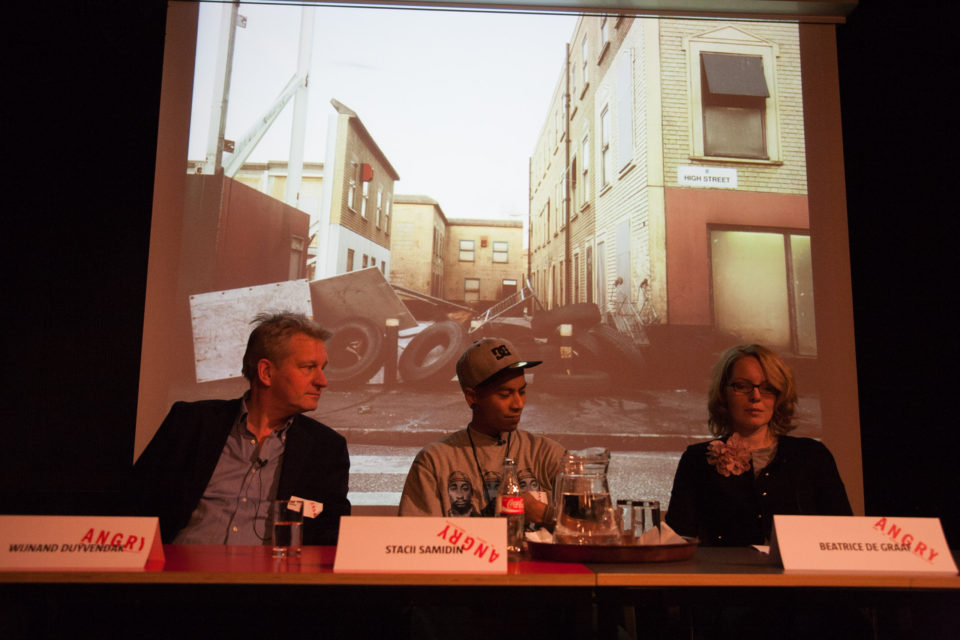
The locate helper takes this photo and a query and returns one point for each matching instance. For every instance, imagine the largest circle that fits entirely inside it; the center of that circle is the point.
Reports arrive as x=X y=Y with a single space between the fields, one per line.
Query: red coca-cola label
x=511 y=504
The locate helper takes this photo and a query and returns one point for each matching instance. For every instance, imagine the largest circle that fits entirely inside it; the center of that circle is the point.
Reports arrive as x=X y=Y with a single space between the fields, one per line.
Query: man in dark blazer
x=214 y=466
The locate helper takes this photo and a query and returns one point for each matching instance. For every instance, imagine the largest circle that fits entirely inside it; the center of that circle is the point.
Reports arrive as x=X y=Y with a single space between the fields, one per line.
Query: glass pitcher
x=585 y=513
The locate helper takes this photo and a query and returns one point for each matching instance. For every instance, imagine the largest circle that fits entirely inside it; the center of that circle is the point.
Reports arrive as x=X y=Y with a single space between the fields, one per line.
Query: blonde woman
x=726 y=491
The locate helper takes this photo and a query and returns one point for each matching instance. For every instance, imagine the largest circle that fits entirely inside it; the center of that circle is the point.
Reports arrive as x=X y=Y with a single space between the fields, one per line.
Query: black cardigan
x=802 y=479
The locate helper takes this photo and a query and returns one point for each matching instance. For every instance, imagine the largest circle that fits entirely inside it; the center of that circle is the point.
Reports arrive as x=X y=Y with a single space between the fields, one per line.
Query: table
x=241 y=591
x=219 y=591
x=748 y=567
x=254 y=565
x=748 y=591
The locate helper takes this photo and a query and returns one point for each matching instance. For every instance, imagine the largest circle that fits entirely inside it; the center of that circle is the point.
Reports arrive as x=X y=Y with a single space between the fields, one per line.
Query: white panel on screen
x=221 y=323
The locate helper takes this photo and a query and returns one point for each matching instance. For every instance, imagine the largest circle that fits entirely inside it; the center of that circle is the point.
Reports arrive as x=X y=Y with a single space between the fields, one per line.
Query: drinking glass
x=625 y=520
x=646 y=517
x=287 y=528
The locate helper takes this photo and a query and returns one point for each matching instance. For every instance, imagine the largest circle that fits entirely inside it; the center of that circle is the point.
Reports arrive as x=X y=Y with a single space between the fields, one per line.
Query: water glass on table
x=625 y=520
x=287 y=518
x=646 y=518
x=637 y=517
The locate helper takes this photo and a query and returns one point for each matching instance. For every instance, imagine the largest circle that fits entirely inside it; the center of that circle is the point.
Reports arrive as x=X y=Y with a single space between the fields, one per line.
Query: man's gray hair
x=270 y=339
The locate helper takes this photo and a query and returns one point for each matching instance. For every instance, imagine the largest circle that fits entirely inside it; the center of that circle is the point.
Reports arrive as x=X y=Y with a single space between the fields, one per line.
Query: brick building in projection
x=687 y=178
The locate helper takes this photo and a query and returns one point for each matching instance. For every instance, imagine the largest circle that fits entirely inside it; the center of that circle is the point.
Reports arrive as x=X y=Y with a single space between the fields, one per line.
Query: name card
x=371 y=544
x=79 y=542
x=875 y=544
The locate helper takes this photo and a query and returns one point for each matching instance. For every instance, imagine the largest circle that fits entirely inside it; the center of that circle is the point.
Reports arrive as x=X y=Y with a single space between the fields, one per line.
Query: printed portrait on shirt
x=460 y=493
x=528 y=481
x=491 y=482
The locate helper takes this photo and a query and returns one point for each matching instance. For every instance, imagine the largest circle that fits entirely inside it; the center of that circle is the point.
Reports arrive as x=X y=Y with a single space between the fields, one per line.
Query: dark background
x=82 y=82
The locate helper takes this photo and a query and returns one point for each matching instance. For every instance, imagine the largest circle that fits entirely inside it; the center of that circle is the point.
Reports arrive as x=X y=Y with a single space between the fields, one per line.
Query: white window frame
x=625 y=109
x=386 y=214
x=731 y=40
x=471 y=286
x=604 y=36
x=585 y=65
x=575 y=270
x=565 y=195
x=585 y=168
x=501 y=251
x=575 y=188
x=467 y=247
x=559 y=219
x=573 y=80
x=548 y=224
x=379 y=205
x=606 y=157
x=352 y=183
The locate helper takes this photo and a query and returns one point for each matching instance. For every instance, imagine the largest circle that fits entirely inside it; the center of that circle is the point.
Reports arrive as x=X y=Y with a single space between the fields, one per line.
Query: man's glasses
x=745 y=388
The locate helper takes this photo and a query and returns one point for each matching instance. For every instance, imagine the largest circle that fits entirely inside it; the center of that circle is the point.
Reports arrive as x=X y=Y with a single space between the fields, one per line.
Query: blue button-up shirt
x=235 y=507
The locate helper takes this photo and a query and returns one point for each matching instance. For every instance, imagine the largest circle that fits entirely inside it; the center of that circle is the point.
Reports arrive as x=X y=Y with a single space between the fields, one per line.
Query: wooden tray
x=612 y=552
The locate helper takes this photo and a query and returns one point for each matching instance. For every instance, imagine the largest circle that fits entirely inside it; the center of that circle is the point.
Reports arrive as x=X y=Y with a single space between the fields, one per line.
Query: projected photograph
x=621 y=197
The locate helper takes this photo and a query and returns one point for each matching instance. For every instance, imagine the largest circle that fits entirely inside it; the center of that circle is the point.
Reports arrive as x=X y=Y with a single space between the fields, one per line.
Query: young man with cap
x=491 y=375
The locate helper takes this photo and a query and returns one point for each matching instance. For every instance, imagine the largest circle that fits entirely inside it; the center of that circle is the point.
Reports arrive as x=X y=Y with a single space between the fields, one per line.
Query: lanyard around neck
x=476 y=459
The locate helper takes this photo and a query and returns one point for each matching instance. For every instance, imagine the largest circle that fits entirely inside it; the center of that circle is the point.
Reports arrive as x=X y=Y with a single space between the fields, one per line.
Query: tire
x=432 y=354
x=582 y=315
x=355 y=352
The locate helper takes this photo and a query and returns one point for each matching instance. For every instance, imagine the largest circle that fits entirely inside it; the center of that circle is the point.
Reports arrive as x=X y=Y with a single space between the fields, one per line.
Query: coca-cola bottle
x=510 y=505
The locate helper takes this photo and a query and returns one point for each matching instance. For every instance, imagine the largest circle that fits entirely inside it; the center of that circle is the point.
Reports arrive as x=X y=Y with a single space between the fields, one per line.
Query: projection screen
x=658 y=188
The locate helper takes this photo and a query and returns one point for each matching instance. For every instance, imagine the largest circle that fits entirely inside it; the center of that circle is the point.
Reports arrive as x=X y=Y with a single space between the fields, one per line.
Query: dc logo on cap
x=500 y=352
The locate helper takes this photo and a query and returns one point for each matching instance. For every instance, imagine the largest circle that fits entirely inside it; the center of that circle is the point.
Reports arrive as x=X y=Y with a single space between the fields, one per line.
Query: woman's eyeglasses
x=745 y=388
